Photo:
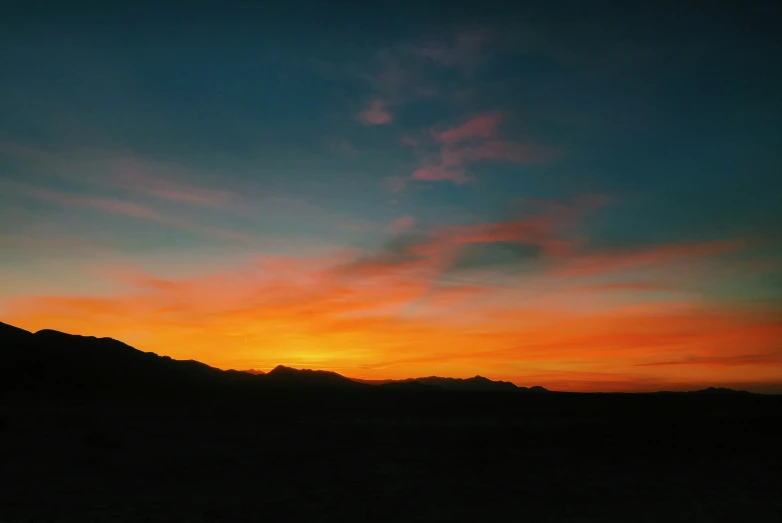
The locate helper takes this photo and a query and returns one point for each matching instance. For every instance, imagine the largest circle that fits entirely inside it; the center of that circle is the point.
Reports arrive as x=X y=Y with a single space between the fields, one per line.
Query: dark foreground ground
x=393 y=456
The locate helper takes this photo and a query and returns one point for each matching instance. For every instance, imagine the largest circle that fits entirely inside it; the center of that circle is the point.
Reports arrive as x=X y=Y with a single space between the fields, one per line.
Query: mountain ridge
x=476 y=383
x=57 y=361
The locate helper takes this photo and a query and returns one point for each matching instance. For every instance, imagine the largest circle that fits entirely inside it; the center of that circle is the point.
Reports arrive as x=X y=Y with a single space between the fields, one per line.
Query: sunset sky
x=584 y=196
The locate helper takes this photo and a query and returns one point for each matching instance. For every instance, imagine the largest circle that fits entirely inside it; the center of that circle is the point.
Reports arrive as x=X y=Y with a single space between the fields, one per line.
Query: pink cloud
x=125 y=172
x=137 y=176
x=602 y=262
x=535 y=230
x=626 y=286
x=482 y=126
x=498 y=150
x=774 y=358
x=401 y=224
x=472 y=141
x=133 y=210
x=436 y=247
x=111 y=205
x=564 y=214
x=375 y=114
x=406 y=71
x=439 y=173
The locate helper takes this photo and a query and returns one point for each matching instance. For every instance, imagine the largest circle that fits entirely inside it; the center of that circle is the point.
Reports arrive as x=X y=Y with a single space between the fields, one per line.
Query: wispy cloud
x=526 y=230
x=126 y=208
x=122 y=171
x=130 y=185
x=721 y=361
x=407 y=71
x=433 y=253
x=628 y=287
x=438 y=173
x=376 y=113
x=479 y=127
x=143 y=177
x=475 y=139
x=543 y=244
x=401 y=224
x=590 y=263
x=111 y=205
x=411 y=72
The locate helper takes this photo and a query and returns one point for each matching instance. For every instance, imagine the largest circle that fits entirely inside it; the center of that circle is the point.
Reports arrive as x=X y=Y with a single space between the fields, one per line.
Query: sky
x=579 y=195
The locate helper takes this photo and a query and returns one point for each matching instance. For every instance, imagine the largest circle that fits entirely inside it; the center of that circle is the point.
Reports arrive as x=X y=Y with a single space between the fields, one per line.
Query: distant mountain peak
x=51 y=333
x=476 y=383
x=280 y=369
x=284 y=369
x=255 y=372
x=282 y=374
x=721 y=390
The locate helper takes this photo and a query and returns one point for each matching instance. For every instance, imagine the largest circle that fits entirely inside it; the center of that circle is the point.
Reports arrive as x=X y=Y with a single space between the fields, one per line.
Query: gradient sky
x=584 y=196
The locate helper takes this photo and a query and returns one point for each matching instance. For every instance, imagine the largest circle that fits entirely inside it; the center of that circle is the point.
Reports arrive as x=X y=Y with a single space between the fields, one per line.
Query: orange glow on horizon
x=367 y=318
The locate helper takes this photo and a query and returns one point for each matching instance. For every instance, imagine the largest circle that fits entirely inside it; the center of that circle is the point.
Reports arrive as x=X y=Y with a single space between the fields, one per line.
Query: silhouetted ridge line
x=721 y=390
x=716 y=391
x=476 y=383
x=8 y=332
x=372 y=382
x=52 y=364
x=282 y=375
x=410 y=385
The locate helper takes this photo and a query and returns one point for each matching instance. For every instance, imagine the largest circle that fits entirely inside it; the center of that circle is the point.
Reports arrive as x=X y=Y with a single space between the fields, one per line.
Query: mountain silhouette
x=81 y=413
x=373 y=382
x=409 y=384
x=476 y=383
x=9 y=332
x=720 y=390
x=53 y=362
x=709 y=391
x=50 y=362
x=282 y=375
